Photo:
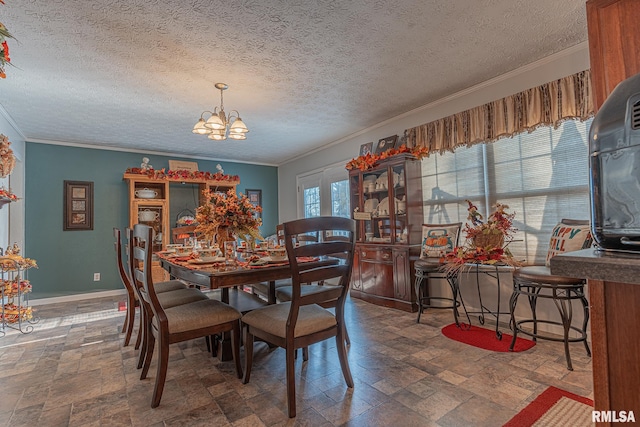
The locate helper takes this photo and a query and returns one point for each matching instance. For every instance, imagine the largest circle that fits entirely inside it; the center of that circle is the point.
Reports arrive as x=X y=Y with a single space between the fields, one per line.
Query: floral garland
x=229 y=214
x=4 y=47
x=486 y=242
x=183 y=174
x=369 y=160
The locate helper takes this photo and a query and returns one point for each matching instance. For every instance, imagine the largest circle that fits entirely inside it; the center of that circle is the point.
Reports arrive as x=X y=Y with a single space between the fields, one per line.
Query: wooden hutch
x=149 y=200
x=387 y=205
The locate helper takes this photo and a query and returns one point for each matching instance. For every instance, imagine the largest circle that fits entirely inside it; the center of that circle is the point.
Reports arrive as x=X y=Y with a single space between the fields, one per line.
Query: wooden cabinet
x=149 y=205
x=614 y=44
x=149 y=201
x=387 y=205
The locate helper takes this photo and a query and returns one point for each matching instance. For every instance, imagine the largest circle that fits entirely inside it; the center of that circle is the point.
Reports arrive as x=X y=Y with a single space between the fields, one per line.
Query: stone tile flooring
x=73 y=370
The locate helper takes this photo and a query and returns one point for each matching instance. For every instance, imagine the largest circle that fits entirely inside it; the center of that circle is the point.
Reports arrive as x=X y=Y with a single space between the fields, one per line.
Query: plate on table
x=206 y=260
x=275 y=260
x=258 y=262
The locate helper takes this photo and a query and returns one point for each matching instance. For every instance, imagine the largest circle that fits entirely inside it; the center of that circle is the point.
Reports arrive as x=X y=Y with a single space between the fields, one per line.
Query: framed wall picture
x=366 y=149
x=255 y=197
x=386 y=143
x=78 y=205
x=179 y=165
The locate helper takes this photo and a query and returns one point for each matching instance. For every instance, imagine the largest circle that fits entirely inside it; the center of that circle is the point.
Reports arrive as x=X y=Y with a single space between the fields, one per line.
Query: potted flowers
x=225 y=217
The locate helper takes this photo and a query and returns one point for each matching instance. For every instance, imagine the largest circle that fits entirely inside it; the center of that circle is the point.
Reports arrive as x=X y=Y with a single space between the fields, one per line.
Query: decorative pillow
x=439 y=239
x=568 y=238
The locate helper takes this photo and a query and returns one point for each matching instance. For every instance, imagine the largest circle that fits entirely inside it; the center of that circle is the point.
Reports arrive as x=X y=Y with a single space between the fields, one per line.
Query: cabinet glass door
x=152 y=215
x=398 y=204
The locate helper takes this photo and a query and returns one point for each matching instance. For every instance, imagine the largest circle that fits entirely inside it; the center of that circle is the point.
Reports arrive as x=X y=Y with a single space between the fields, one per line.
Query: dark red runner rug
x=545 y=402
x=485 y=338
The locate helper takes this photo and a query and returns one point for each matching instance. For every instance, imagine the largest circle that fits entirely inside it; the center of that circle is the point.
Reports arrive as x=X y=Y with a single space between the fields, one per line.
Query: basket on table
x=488 y=240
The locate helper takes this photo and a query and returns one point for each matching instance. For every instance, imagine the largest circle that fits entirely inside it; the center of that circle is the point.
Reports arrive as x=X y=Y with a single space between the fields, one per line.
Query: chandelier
x=219 y=126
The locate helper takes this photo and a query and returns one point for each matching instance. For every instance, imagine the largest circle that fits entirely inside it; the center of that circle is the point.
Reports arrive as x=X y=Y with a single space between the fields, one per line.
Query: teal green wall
x=68 y=259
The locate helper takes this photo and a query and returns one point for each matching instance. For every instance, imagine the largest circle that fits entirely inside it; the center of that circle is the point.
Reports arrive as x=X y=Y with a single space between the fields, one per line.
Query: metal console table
x=491 y=270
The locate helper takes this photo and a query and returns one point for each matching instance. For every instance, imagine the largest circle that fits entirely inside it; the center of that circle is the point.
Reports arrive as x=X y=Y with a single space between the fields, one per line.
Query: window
x=311 y=202
x=324 y=193
x=543 y=176
x=340 y=198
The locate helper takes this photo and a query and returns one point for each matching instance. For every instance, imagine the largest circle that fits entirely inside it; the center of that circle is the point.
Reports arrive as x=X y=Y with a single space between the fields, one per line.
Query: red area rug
x=485 y=338
x=554 y=407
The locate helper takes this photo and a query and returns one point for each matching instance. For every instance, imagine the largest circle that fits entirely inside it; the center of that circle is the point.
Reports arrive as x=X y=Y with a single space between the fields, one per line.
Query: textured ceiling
x=303 y=73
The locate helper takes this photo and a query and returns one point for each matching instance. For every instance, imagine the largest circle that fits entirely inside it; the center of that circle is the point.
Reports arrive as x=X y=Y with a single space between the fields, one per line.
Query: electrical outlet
x=96 y=277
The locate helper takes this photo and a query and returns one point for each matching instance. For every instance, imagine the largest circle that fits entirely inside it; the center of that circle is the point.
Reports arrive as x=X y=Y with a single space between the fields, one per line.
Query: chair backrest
x=301 y=238
x=124 y=274
x=342 y=250
x=386 y=226
x=569 y=235
x=140 y=244
x=304 y=238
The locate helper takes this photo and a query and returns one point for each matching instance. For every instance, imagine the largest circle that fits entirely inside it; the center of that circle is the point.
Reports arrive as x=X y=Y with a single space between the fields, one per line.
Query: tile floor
x=72 y=370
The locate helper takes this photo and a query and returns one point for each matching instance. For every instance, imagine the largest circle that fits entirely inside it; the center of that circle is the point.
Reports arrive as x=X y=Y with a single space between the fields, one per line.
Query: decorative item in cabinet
x=15 y=312
x=386 y=199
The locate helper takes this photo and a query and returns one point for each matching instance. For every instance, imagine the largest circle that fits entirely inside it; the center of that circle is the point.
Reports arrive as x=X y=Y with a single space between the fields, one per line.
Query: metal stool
x=423 y=269
x=538 y=282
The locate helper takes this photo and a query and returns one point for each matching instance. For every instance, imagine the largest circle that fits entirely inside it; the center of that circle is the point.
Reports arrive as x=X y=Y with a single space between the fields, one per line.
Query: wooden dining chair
x=265 y=289
x=132 y=299
x=284 y=293
x=302 y=321
x=170 y=293
x=181 y=322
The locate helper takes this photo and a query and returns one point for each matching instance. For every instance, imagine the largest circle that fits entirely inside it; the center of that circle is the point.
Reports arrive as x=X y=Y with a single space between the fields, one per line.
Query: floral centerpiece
x=369 y=160
x=228 y=216
x=486 y=242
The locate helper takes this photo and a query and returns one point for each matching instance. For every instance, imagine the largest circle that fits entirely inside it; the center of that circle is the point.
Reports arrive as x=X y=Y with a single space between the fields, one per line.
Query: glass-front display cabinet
x=387 y=206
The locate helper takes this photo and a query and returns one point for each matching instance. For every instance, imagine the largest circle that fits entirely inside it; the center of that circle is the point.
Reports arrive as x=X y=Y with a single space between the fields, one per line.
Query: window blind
x=543 y=176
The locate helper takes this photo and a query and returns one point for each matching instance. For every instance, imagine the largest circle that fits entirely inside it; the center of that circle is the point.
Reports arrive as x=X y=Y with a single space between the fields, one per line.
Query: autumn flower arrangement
x=4 y=48
x=7 y=158
x=369 y=160
x=227 y=216
x=486 y=242
x=178 y=175
x=7 y=194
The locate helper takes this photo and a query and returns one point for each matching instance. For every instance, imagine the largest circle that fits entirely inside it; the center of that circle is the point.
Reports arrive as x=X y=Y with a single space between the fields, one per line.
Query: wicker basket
x=488 y=241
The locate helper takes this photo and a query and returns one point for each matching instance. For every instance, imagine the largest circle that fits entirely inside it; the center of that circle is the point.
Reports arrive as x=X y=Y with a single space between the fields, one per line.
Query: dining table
x=228 y=279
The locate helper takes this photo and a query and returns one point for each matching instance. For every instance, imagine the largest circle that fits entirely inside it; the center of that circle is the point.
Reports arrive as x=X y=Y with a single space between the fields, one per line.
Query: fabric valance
x=545 y=105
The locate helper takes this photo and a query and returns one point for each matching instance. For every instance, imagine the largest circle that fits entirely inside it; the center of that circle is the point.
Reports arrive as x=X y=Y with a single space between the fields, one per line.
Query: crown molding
x=12 y=123
x=147 y=152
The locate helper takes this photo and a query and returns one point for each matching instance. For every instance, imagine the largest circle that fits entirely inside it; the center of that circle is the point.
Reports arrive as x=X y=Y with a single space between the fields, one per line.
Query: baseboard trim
x=76 y=297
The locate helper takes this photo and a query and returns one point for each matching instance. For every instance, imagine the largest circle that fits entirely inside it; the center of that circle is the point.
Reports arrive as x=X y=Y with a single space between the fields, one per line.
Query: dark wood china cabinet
x=387 y=205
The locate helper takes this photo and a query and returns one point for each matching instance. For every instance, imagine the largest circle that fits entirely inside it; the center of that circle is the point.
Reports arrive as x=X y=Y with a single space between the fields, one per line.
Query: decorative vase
x=224 y=234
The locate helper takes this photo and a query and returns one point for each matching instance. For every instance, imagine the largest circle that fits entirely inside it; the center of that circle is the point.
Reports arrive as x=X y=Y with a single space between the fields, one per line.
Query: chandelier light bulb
x=199 y=128
x=217 y=126
x=215 y=122
x=238 y=126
